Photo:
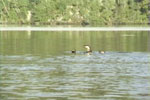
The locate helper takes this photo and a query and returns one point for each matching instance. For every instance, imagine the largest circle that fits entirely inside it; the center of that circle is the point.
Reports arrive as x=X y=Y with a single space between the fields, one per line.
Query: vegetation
x=75 y=11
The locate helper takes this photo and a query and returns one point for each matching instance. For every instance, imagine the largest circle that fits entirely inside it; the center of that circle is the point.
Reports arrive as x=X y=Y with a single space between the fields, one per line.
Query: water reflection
x=46 y=43
x=40 y=66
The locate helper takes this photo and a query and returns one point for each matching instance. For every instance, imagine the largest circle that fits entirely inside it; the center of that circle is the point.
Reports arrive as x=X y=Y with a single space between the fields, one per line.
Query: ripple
x=113 y=75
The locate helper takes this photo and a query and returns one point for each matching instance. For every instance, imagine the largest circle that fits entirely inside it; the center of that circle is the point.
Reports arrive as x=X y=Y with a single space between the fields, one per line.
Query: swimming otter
x=73 y=51
x=102 y=52
x=88 y=49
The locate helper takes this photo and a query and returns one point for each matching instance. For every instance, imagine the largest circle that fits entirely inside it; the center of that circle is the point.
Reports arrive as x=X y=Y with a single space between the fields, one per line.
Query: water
x=40 y=66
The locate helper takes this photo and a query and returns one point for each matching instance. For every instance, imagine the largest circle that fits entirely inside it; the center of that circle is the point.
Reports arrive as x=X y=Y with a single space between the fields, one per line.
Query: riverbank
x=82 y=12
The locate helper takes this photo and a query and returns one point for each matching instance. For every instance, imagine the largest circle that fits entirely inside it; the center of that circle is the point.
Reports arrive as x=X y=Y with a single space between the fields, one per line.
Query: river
x=39 y=65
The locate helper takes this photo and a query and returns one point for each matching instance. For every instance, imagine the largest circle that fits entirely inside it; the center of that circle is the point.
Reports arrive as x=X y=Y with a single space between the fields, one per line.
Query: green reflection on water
x=53 y=43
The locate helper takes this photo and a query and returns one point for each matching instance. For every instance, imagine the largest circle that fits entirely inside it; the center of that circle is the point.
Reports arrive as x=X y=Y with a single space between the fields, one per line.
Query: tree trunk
x=5 y=8
x=149 y=11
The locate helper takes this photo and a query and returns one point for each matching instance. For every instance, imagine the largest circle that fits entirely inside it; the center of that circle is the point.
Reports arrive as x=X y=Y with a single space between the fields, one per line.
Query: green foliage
x=74 y=11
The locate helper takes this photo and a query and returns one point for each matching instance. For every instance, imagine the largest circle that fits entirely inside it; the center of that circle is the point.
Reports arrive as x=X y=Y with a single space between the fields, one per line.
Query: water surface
x=40 y=66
